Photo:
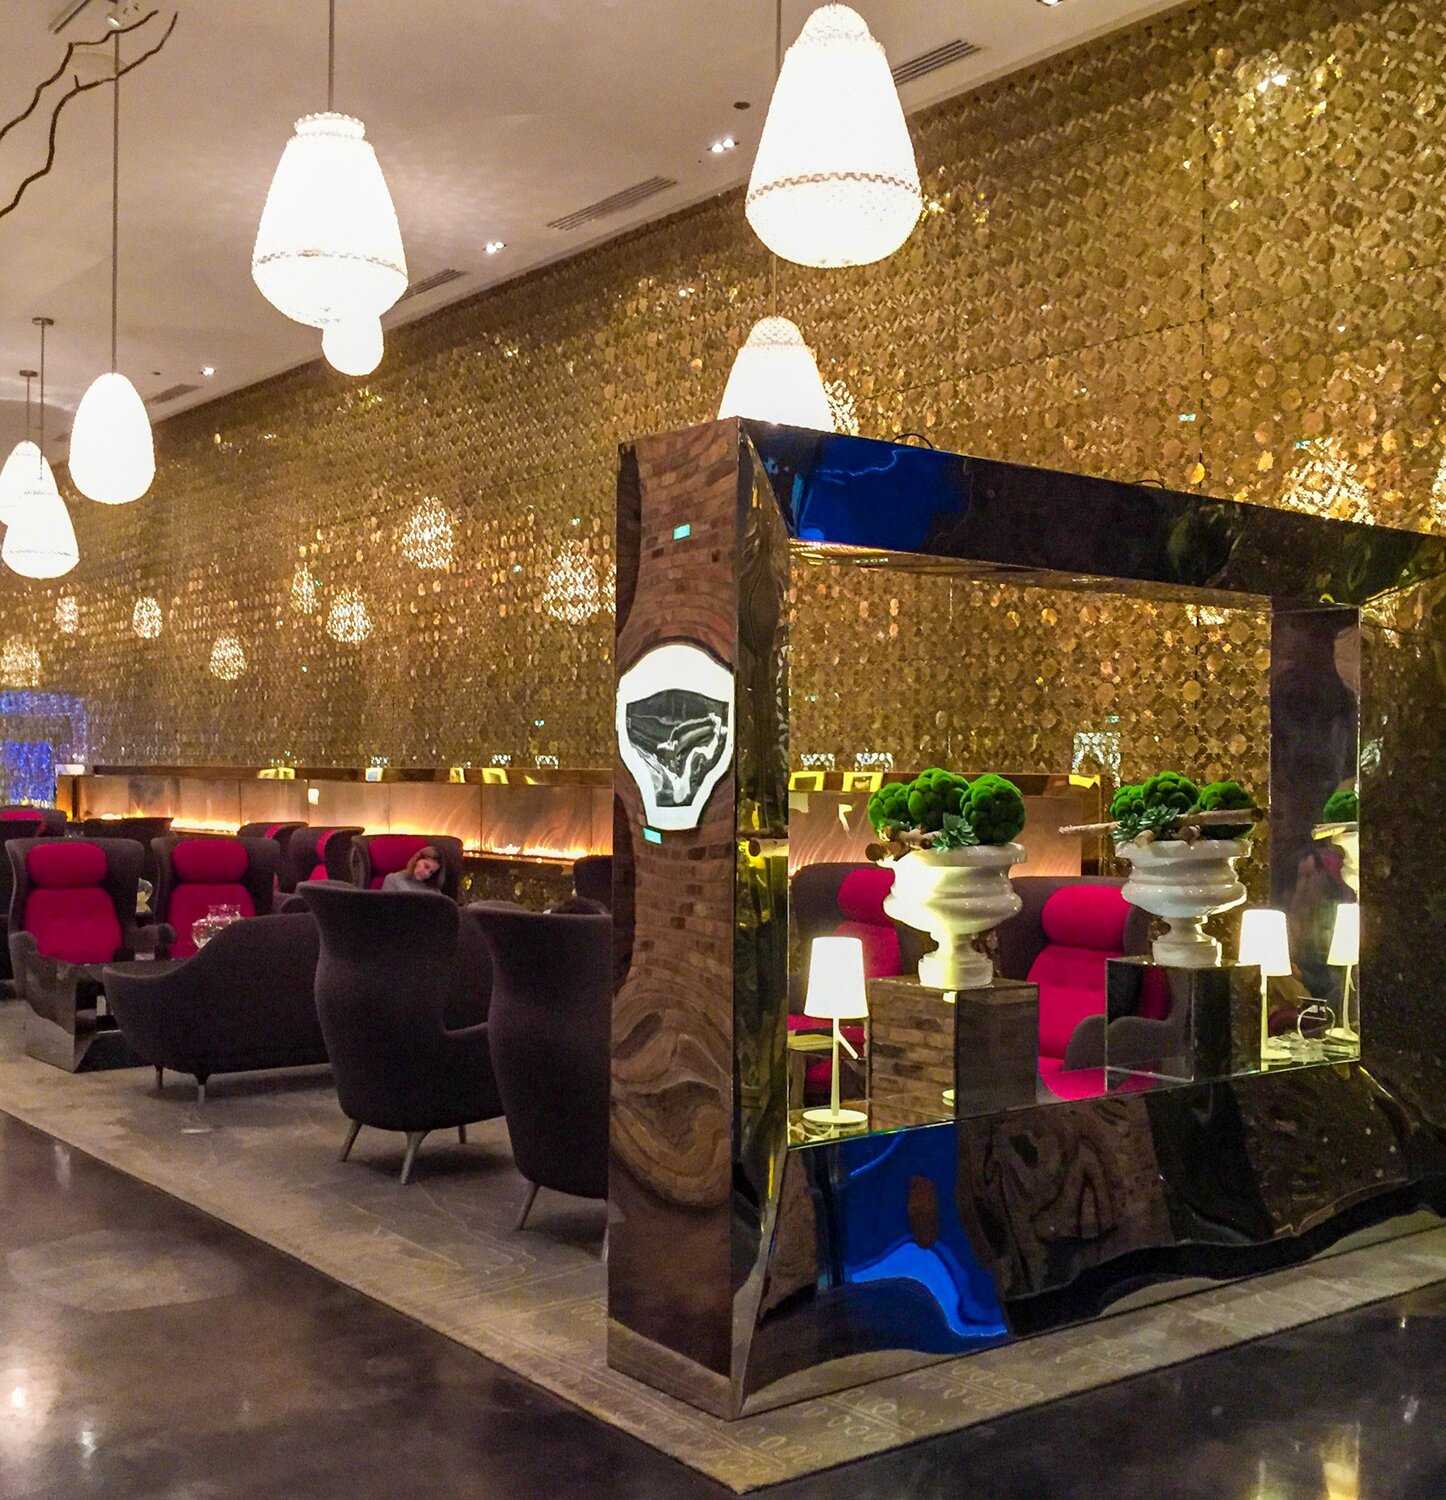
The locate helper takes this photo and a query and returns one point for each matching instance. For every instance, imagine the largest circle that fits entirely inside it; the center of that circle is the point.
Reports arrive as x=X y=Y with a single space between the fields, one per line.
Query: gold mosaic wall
x=1206 y=252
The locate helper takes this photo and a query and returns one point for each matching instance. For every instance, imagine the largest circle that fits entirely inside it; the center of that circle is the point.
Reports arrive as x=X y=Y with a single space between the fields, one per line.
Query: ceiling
x=491 y=119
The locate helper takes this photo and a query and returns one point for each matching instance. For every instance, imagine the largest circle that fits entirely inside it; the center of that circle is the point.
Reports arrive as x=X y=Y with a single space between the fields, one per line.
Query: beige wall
x=1145 y=260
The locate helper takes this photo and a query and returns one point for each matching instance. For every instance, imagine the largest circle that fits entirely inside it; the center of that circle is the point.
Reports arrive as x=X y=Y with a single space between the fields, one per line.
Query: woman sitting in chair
x=422 y=872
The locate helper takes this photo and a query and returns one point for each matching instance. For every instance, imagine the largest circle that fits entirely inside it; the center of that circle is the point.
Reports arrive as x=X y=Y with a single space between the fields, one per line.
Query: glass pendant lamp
x=775 y=379
x=328 y=248
x=39 y=539
x=112 y=452
x=835 y=181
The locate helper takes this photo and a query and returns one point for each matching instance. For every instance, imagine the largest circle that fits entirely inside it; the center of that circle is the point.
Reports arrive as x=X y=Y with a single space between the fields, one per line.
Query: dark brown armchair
x=72 y=911
x=384 y=981
x=318 y=854
x=552 y=980
x=52 y=820
x=280 y=835
x=244 y=1002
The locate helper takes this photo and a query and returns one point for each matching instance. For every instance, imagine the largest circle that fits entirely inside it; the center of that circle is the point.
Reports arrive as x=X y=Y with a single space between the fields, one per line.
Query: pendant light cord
x=114 y=210
x=42 y=395
x=777 y=73
x=331 y=56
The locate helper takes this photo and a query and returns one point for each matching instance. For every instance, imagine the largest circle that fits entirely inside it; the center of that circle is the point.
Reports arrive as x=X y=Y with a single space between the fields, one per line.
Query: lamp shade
x=19 y=469
x=40 y=540
x=775 y=379
x=1265 y=941
x=835 y=182
x=836 y=979
x=328 y=247
x=112 y=453
x=355 y=347
x=1346 y=936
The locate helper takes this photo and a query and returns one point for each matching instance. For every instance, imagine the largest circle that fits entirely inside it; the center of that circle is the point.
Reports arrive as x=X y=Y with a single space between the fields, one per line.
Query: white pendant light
x=355 y=347
x=40 y=540
x=328 y=248
x=22 y=462
x=775 y=379
x=112 y=452
x=112 y=455
x=835 y=181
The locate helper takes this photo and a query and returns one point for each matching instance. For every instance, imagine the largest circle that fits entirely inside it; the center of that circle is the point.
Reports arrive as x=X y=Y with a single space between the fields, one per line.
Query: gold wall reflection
x=1205 y=252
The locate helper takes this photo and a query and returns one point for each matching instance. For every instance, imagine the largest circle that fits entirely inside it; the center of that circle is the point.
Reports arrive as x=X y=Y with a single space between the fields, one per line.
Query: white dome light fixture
x=112 y=452
x=24 y=459
x=353 y=348
x=835 y=181
x=775 y=379
x=39 y=538
x=328 y=247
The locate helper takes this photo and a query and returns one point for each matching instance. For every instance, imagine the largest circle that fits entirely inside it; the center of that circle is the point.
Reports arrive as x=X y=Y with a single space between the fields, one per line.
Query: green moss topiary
x=1223 y=795
x=1342 y=807
x=889 y=806
x=1129 y=799
x=933 y=793
x=994 y=807
x=1169 y=790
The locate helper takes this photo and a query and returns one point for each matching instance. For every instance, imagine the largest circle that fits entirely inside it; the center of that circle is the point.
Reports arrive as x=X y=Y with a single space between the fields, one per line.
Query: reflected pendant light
x=40 y=540
x=328 y=248
x=775 y=379
x=20 y=466
x=112 y=453
x=835 y=181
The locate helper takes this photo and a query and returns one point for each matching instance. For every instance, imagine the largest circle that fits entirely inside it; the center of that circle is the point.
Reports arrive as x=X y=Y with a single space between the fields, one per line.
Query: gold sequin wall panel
x=1207 y=251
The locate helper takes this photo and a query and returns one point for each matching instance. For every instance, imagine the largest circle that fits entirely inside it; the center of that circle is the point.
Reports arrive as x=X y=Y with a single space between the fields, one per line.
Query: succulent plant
x=933 y=793
x=1169 y=789
x=957 y=813
x=889 y=806
x=1129 y=799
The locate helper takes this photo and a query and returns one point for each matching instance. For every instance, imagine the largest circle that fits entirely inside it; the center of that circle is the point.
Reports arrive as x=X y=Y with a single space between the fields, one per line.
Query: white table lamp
x=836 y=993
x=1345 y=954
x=1264 y=940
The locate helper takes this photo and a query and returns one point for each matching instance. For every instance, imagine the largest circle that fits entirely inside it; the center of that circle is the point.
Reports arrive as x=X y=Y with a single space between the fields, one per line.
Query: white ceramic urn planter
x=954 y=895
x=1185 y=883
x=1347 y=838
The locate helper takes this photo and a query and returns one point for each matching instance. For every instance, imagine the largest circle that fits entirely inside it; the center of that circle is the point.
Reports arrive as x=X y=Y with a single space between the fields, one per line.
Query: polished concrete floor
x=147 y=1350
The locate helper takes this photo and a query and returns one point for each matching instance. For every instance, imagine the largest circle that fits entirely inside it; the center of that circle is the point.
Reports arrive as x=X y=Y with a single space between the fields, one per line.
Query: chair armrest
x=1137 y=1041
x=1086 y=1047
x=49 y=985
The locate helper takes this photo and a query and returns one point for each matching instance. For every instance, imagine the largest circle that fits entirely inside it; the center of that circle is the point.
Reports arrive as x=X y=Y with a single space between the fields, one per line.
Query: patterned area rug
x=261 y=1154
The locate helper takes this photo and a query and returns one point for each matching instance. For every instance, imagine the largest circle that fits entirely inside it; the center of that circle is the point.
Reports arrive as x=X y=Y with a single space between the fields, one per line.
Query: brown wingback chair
x=319 y=854
x=384 y=981
x=280 y=835
x=549 y=1025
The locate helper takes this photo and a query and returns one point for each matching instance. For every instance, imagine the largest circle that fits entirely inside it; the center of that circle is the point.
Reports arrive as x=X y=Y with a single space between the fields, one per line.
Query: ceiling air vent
x=616 y=204
x=171 y=393
x=938 y=57
x=431 y=283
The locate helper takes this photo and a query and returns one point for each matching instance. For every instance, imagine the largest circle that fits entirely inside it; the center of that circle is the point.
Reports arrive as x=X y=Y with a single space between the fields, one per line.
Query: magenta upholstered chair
x=197 y=874
x=374 y=856
x=51 y=821
x=73 y=910
x=319 y=854
x=280 y=835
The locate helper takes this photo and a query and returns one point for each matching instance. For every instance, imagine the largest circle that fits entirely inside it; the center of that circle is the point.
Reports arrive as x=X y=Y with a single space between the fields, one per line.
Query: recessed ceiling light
x=726 y=143
x=1051 y=2
x=493 y=246
x=208 y=371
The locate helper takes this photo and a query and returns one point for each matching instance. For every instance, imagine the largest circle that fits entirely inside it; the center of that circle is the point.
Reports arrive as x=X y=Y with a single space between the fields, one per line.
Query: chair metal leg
x=160 y=1080
x=351 y=1136
x=200 y=1091
x=462 y=1134
x=414 y=1139
x=532 y=1191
